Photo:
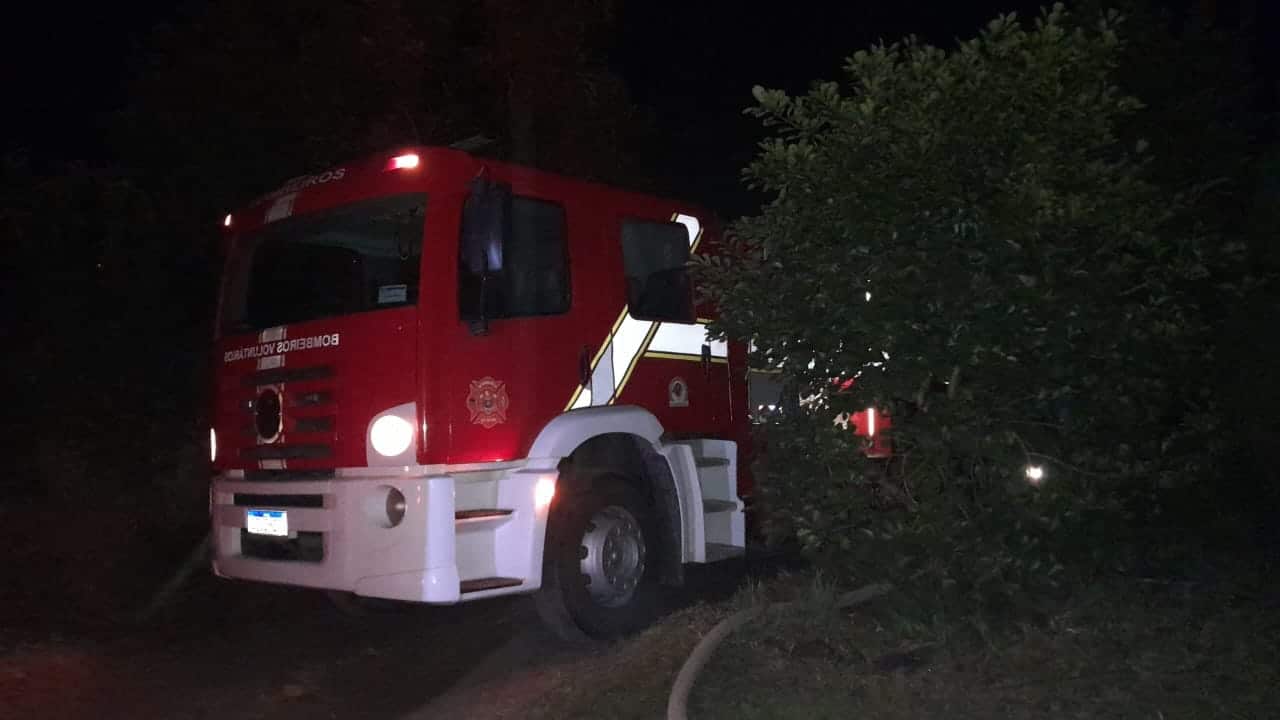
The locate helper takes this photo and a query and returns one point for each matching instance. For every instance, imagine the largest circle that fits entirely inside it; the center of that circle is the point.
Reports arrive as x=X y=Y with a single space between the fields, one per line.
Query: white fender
x=566 y=432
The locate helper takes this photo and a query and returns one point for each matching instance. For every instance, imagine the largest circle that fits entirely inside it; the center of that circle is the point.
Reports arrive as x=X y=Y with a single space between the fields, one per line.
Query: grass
x=1125 y=648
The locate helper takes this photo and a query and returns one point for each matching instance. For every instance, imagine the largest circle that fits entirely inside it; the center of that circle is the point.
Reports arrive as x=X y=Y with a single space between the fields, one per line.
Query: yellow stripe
x=618 y=323
x=693 y=242
x=683 y=356
x=609 y=339
x=574 y=399
x=672 y=356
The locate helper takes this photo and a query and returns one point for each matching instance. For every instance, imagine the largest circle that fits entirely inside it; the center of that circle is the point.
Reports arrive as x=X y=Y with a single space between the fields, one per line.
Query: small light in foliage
x=1035 y=474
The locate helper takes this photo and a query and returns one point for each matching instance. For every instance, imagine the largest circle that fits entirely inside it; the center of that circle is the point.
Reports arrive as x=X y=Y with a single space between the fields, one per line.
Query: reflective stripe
x=685 y=340
x=694 y=228
x=627 y=342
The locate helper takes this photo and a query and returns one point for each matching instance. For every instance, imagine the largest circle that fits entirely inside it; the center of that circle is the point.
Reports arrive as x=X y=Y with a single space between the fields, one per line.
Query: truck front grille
x=302 y=415
x=287 y=452
x=288 y=475
x=275 y=376
x=278 y=500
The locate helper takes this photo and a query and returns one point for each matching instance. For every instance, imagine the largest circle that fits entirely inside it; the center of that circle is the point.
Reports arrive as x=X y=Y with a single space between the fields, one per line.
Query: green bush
x=966 y=235
x=960 y=543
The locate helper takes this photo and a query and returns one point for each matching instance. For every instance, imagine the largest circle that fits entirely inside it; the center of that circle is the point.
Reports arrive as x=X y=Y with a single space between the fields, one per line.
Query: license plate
x=268 y=522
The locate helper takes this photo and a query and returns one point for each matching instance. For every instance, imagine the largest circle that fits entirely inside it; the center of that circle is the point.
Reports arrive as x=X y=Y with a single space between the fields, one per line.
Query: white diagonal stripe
x=686 y=340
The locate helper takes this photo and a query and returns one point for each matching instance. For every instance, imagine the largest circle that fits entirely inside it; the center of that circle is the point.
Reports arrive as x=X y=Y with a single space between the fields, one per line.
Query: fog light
x=395 y=507
x=391 y=435
x=213 y=445
x=385 y=506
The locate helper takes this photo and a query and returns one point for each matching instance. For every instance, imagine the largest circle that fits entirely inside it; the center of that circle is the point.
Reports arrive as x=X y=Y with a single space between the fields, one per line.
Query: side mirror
x=486 y=221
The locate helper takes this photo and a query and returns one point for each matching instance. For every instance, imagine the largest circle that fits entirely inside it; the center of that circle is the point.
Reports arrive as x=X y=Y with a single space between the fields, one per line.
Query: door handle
x=584 y=367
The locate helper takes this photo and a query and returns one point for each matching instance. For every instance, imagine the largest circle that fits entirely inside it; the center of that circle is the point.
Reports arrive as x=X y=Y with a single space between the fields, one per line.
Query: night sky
x=693 y=64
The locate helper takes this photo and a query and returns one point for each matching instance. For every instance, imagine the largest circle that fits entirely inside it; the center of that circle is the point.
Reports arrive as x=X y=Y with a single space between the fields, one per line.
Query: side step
x=492 y=583
x=481 y=515
x=719 y=551
x=714 y=506
x=720 y=532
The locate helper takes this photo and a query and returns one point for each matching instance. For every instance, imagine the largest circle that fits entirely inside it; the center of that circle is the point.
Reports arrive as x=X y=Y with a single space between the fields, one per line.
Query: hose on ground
x=678 y=701
x=198 y=556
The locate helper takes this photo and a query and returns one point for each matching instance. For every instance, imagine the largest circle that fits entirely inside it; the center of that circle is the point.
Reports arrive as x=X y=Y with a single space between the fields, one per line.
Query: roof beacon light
x=404 y=162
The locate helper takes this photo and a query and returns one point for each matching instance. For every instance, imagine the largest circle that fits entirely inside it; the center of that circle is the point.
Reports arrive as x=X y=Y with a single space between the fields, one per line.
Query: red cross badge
x=488 y=402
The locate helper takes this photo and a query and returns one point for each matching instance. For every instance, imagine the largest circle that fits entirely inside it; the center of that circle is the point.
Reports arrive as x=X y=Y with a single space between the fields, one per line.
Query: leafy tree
x=966 y=235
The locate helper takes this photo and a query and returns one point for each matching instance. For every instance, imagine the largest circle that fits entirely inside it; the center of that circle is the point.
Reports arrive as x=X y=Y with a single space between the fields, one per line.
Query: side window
x=530 y=276
x=655 y=257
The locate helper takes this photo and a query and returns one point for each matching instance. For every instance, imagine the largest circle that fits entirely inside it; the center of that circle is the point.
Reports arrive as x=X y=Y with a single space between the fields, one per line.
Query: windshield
x=355 y=258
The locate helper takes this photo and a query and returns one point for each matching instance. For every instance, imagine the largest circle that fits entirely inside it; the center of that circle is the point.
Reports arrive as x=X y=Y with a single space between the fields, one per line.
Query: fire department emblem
x=488 y=402
x=678 y=392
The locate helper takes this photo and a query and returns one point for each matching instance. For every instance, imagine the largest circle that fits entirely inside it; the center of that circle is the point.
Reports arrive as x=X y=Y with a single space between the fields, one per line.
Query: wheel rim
x=612 y=555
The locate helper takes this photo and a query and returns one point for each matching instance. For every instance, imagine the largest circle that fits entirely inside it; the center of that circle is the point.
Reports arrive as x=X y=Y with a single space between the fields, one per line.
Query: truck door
x=510 y=370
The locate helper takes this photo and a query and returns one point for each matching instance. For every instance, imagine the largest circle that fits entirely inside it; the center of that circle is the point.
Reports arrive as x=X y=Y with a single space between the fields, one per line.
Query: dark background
x=693 y=64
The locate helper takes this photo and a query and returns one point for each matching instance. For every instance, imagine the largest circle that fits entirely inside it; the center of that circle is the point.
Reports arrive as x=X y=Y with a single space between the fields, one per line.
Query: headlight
x=213 y=445
x=391 y=435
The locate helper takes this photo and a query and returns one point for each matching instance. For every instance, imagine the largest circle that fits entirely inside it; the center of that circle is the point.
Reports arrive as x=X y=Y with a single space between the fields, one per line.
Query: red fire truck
x=442 y=378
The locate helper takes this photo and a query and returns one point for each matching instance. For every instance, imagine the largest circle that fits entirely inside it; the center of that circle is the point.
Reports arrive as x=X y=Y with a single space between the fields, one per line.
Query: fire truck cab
x=441 y=378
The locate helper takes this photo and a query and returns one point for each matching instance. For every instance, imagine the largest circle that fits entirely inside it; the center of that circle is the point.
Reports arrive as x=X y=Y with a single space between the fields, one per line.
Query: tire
x=606 y=526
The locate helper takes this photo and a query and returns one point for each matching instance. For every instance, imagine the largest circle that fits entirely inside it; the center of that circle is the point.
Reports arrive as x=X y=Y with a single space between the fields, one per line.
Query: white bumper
x=430 y=556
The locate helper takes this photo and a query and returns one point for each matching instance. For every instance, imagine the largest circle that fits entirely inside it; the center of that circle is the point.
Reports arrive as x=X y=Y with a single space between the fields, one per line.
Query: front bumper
x=339 y=541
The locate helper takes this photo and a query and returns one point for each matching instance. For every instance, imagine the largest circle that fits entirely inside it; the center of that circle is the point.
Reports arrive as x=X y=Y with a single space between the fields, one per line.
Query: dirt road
x=238 y=650
x=224 y=649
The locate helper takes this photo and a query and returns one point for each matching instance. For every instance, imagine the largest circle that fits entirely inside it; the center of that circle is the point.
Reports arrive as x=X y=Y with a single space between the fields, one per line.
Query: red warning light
x=404 y=162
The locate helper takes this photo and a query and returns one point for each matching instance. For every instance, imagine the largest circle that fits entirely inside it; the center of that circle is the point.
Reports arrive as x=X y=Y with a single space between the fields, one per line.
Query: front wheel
x=600 y=574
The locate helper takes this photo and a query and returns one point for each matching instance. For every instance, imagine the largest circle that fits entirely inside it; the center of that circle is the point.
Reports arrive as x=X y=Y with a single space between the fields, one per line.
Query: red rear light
x=869 y=423
x=404 y=162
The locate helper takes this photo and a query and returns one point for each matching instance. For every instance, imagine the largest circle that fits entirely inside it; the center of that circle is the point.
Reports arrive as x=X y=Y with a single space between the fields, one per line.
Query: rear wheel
x=600 y=574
